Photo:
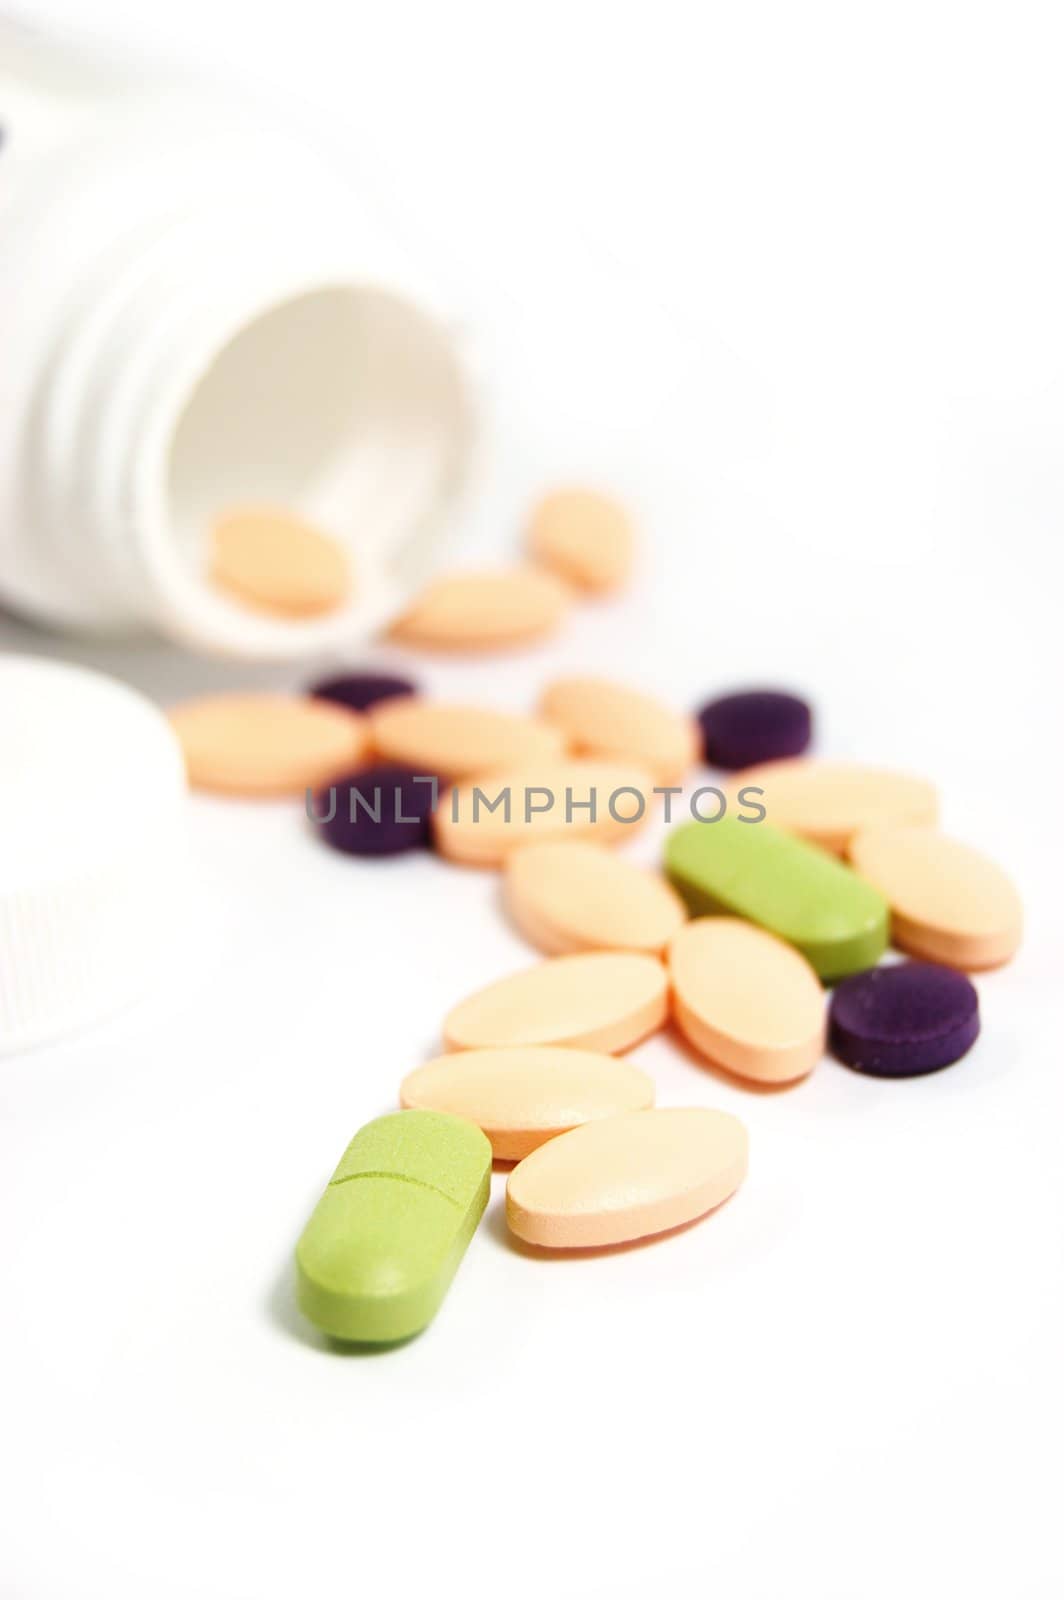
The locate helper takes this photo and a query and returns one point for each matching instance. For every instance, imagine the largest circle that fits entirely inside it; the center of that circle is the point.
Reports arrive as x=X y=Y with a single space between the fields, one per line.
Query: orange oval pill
x=484 y=610
x=601 y=1001
x=830 y=801
x=267 y=744
x=480 y=820
x=583 y=535
x=273 y=561
x=576 y=896
x=947 y=902
x=746 y=1000
x=612 y=722
x=456 y=741
x=523 y=1096
x=627 y=1177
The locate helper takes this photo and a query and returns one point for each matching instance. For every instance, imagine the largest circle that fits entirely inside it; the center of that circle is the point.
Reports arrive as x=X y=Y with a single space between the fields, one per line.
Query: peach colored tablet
x=267 y=744
x=829 y=801
x=612 y=722
x=480 y=820
x=583 y=535
x=485 y=610
x=746 y=1000
x=606 y=1000
x=627 y=1177
x=947 y=902
x=521 y=1097
x=272 y=561
x=455 y=741
x=579 y=896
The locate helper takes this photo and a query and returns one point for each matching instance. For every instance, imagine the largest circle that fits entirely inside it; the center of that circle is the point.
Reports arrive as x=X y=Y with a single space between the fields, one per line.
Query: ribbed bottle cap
x=92 y=818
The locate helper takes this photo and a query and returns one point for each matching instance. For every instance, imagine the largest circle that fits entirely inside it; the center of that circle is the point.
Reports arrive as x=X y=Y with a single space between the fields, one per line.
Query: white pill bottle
x=197 y=313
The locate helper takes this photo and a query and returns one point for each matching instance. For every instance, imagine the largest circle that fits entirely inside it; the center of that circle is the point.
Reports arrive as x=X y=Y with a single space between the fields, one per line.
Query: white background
x=791 y=279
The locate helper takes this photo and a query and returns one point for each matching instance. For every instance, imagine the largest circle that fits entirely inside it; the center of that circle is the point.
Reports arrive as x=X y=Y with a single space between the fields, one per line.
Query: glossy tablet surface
x=947 y=901
x=746 y=1000
x=485 y=610
x=614 y=722
x=457 y=740
x=829 y=801
x=793 y=889
x=585 y=536
x=627 y=1177
x=267 y=744
x=480 y=820
x=579 y=896
x=602 y=1001
x=273 y=561
x=523 y=1096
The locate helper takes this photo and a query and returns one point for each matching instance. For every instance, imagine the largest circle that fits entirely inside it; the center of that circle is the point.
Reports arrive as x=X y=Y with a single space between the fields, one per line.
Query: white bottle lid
x=92 y=815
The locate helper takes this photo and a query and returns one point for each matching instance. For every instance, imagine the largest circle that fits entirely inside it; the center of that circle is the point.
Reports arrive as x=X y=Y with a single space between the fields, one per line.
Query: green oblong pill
x=794 y=889
x=384 y=1241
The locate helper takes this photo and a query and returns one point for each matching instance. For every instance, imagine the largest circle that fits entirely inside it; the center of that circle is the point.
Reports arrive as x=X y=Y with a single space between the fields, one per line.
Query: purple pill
x=360 y=690
x=378 y=811
x=900 y=1021
x=741 y=730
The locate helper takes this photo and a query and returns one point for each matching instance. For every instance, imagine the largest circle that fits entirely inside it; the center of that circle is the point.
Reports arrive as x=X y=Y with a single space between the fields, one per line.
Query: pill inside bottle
x=268 y=559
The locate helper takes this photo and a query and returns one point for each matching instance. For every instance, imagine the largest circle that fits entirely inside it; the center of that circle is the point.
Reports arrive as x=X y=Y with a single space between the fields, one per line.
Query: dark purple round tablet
x=377 y=811
x=360 y=690
x=900 y=1021
x=740 y=730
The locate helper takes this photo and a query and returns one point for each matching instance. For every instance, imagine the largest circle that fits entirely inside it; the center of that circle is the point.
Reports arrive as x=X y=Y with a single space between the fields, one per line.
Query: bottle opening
x=346 y=407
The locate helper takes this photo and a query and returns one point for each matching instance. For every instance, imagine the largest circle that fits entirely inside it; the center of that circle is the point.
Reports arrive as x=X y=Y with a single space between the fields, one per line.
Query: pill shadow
x=497 y=1230
x=711 y=1068
x=966 y=1069
x=281 y=1309
x=357 y=861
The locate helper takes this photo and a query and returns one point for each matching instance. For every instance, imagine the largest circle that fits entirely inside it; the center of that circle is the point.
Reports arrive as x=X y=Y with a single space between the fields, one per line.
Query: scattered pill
x=273 y=561
x=611 y=722
x=904 y=1020
x=578 y=896
x=266 y=744
x=602 y=1000
x=829 y=801
x=522 y=1097
x=627 y=1177
x=385 y=1239
x=739 y=730
x=360 y=690
x=457 y=741
x=794 y=889
x=584 y=535
x=485 y=610
x=480 y=820
x=378 y=811
x=747 y=1001
x=947 y=902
